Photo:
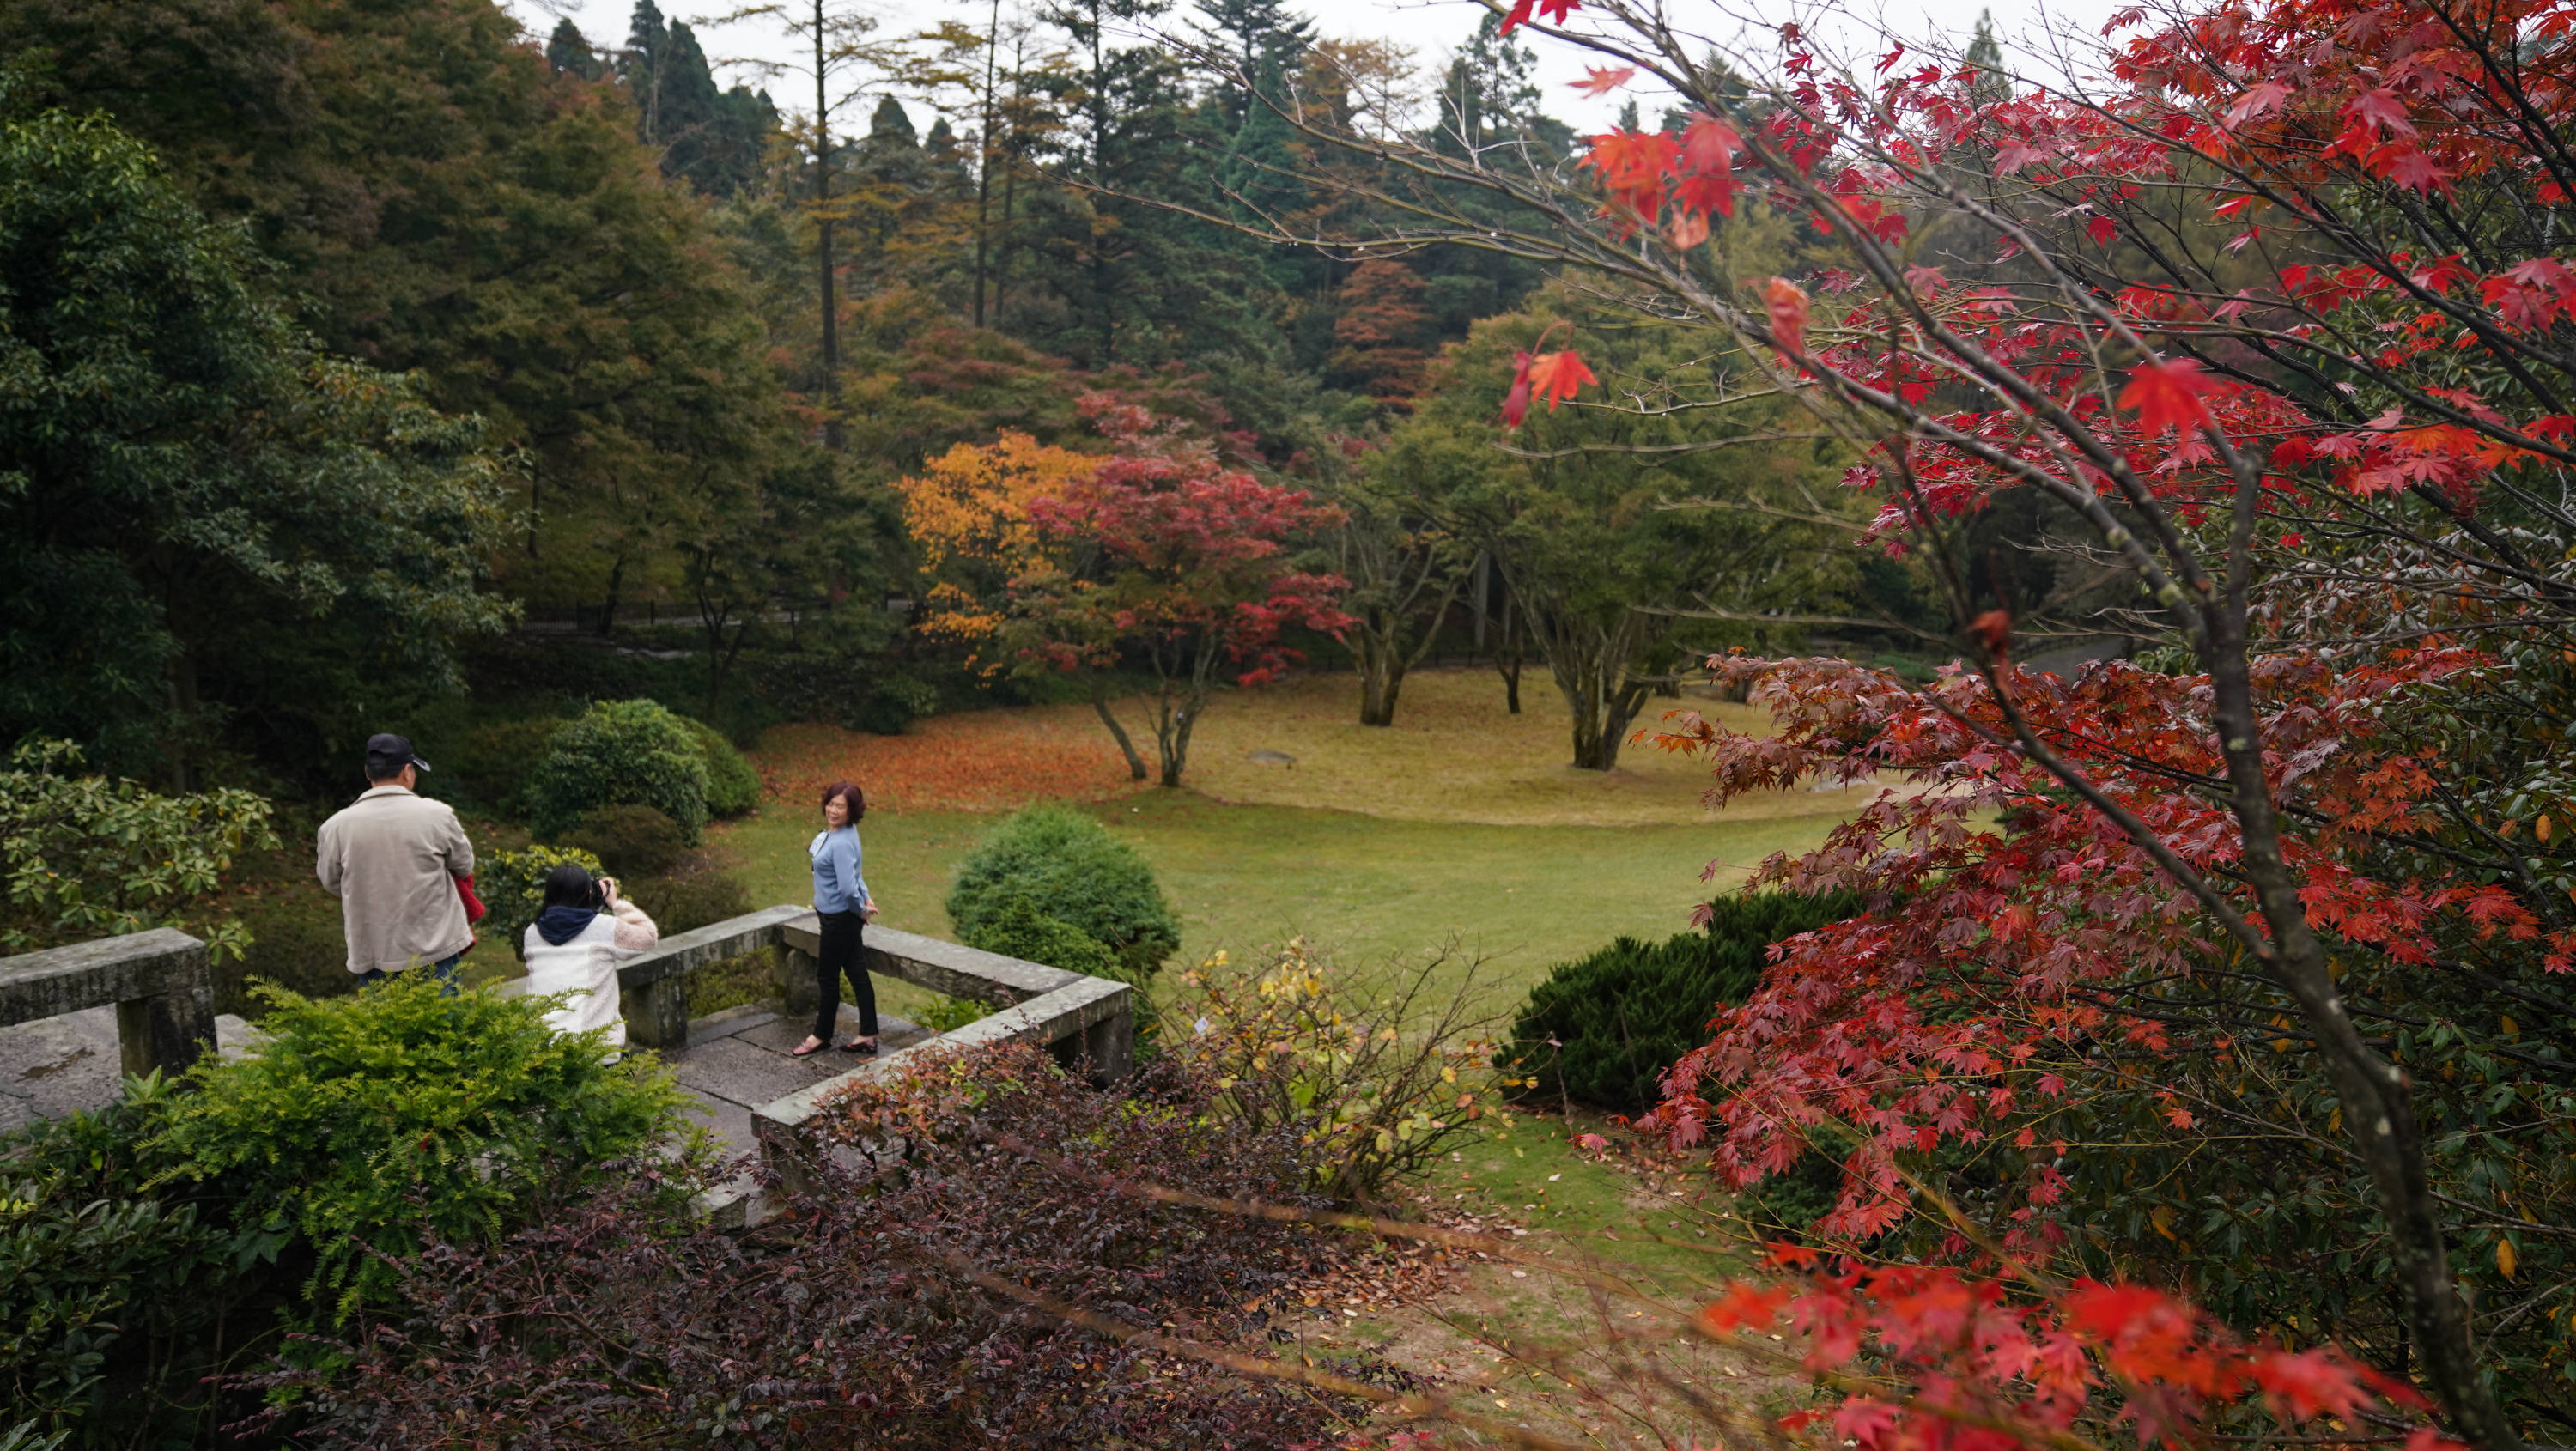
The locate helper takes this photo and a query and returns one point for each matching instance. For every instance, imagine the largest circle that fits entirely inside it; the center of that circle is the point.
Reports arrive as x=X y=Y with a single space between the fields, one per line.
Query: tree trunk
x=984 y=170
x=1117 y=732
x=1507 y=659
x=1381 y=677
x=1172 y=725
x=608 y=607
x=823 y=237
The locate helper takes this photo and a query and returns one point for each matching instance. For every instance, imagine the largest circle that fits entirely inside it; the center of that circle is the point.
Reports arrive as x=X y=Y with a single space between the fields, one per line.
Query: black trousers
x=838 y=958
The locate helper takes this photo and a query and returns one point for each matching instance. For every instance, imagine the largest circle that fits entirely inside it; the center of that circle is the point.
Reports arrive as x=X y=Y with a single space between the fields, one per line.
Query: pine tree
x=568 y=51
x=1252 y=34
x=713 y=140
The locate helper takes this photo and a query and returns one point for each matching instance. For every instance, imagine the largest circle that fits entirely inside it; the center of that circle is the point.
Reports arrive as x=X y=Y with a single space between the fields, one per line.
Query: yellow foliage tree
x=968 y=513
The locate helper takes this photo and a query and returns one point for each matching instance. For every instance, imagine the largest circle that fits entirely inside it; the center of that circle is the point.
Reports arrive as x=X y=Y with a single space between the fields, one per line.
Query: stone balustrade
x=161 y=983
x=1078 y=1018
x=162 y=987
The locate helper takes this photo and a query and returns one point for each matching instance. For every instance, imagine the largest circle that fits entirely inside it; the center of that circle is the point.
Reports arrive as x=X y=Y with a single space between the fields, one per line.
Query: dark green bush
x=1020 y=930
x=620 y=752
x=633 y=841
x=688 y=899
x=1622 y=1016
x=1064 y=865
x=733 y=788
x=100 y=1276
x=512 y=886
x=493 y=761
x=296 y=942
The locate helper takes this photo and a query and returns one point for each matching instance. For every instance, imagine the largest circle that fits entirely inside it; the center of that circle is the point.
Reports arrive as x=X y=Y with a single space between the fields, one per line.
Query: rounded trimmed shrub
x=620 y=753
x=634 y=841
x=1020 y=930
x=1622 y=1016
x=1063 y=865
x=733 y=787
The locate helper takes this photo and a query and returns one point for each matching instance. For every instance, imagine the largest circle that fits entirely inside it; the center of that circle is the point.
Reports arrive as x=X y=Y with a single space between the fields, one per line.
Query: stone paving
x=54 y=1067
x=738 y=1059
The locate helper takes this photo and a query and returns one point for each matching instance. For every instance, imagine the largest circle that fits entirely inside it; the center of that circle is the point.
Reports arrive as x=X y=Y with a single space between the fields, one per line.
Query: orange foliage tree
x=968 y=514
x=1156 y=555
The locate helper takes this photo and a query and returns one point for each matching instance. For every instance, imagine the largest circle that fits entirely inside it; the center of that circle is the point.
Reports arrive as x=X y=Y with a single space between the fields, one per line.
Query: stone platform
x=55 y=1067
x=738 y=1059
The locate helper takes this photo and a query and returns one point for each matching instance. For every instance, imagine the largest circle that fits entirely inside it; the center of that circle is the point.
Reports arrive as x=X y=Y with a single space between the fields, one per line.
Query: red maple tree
x=1165 y=559
x=2275 y=310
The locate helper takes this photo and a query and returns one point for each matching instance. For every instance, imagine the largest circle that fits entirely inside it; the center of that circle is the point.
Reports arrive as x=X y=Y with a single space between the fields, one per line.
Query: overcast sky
x=1433 y=28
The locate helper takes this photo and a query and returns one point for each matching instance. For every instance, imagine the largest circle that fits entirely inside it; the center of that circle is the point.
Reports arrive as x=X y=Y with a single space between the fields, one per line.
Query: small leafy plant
x=1378 y=1073
x=375 y=1123
x=512 y=885
x=84 y=856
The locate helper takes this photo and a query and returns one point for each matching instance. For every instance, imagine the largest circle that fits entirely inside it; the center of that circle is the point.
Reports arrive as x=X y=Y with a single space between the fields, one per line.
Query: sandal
x=860 y=1045
x=807 y=1049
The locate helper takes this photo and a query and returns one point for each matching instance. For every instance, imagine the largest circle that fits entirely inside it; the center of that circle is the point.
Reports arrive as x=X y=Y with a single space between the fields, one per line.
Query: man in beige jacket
x=392 y=858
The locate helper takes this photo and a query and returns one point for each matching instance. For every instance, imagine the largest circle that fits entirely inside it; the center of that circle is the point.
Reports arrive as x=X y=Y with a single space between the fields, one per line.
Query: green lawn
x=1359 y=887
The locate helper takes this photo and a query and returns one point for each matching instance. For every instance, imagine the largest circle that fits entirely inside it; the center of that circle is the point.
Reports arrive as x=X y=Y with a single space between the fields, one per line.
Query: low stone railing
x=163 y=990
x=160 y=981
x=1079 y=1018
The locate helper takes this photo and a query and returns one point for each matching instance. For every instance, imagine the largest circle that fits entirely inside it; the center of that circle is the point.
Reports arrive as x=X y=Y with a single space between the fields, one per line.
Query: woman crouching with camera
x=583 y=930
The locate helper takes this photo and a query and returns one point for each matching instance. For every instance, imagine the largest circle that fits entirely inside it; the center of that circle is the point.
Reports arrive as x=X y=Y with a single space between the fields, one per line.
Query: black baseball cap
x=387 y=754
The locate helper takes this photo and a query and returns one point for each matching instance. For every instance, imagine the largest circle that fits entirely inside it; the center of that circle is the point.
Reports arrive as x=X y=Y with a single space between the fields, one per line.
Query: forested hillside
x=676 y=341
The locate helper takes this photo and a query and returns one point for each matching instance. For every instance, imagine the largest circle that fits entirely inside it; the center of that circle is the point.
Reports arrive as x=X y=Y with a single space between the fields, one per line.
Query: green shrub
x=374 y=1123
x=1066 y=866
x=1622 y=1016
x=944 y=1014
x=84 y=856
x=685 y=901
x=733 y=788
x=512 y=885
x=634 y=841
x=1020 y=930
x=99 y=1275
x=620 y=752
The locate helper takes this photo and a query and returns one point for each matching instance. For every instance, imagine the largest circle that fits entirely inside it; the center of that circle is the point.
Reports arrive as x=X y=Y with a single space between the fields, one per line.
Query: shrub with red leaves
x=924 y=1294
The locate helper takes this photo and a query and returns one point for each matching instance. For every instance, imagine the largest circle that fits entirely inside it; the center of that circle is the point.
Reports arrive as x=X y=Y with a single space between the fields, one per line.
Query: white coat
x=586 y=967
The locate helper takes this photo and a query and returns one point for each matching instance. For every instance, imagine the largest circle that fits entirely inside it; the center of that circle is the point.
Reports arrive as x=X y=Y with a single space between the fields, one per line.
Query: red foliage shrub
x=914 y=1309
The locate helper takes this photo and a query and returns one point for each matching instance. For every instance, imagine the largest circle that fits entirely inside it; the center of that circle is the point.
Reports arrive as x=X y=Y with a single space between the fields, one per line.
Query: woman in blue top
x=841 y=899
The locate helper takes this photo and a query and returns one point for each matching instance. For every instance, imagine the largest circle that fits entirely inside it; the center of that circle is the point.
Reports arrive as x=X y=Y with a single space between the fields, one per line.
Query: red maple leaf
x=2167 y=395
x=1556 y=376
x=1520 y=14
x=1601 y=80
x=1993 y=631
x=1516 y=402
x=1786 y=303
x=1743 y=1304
x=2381 y=108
